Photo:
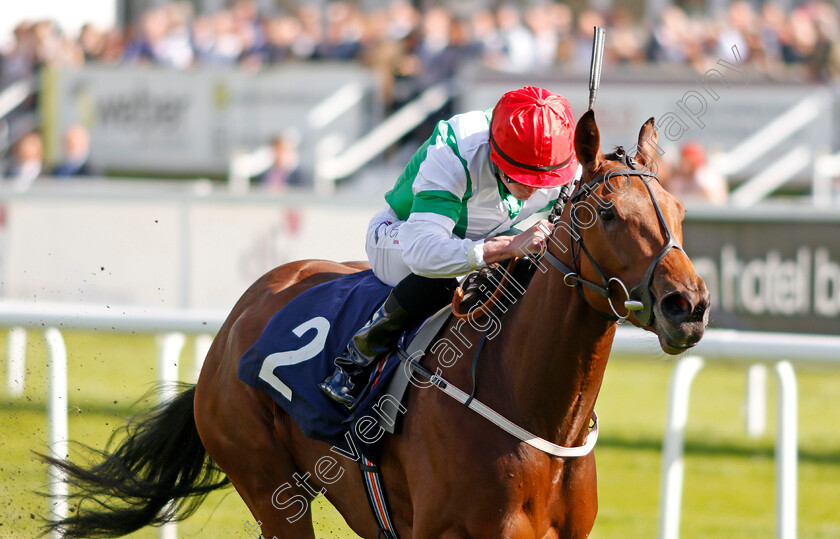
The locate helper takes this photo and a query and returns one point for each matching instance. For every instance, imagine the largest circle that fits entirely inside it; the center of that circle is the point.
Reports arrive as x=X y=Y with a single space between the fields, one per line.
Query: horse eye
x=607 y=215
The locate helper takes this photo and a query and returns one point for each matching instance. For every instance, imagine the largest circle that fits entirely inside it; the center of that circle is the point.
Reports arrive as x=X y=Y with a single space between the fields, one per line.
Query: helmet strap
x=525 y=166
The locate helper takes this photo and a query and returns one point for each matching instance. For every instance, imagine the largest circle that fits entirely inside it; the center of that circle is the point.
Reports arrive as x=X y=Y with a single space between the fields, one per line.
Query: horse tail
x=160 y=472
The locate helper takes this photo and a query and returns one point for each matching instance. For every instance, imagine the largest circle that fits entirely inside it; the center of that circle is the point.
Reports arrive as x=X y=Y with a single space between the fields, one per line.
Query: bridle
x=639 y=301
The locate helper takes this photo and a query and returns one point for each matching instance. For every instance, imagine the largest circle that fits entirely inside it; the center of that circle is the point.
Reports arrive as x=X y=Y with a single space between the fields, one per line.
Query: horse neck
x=554 y=353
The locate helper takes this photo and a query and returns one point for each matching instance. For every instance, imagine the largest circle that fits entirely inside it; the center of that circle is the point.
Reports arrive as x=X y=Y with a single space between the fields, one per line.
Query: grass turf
x=729 y=482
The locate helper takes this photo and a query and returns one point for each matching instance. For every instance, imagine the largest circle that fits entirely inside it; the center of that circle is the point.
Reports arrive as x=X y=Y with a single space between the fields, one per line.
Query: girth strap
x=372 y=481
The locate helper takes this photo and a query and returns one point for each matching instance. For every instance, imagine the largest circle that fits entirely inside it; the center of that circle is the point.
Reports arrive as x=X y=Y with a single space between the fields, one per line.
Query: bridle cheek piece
x=639 y=302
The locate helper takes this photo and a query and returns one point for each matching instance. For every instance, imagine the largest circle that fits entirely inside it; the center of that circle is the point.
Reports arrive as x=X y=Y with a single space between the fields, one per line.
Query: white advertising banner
x=157 y=120
x=231 y=246
x=164 y=252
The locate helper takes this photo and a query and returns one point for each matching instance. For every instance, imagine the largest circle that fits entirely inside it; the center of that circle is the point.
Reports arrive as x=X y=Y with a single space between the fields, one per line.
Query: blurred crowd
x=402 y=42
x=413 y=49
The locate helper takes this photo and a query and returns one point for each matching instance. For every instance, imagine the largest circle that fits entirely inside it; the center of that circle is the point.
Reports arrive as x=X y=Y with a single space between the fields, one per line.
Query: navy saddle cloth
x=296 y=352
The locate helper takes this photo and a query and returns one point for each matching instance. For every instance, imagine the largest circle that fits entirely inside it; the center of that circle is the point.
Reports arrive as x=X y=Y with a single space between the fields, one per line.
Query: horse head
x=626 y=235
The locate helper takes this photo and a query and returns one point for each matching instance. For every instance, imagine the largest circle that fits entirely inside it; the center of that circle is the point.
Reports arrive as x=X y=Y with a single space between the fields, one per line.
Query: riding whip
x=597 y=60
x=598 y=38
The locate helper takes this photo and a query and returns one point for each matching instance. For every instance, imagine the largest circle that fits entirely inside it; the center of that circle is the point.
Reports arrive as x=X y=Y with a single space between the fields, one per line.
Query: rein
x=488 y=305
x=638 y=299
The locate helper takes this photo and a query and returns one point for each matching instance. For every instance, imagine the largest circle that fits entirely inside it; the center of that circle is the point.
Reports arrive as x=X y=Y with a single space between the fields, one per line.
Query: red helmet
x=532 y=138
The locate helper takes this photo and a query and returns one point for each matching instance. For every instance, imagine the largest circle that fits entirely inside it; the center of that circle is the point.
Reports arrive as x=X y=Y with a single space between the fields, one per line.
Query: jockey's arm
x=430 y=249
x=531 y=241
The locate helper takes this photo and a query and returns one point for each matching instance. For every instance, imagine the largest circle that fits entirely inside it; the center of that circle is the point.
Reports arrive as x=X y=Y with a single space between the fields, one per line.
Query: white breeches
x=383 y=248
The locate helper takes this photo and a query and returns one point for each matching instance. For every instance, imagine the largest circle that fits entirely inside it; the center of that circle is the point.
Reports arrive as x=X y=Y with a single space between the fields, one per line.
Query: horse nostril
x=699 y=311
x=676 y=307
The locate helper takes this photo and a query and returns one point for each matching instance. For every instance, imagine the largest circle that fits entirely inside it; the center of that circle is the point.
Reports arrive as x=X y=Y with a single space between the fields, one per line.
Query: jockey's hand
x=532 y=241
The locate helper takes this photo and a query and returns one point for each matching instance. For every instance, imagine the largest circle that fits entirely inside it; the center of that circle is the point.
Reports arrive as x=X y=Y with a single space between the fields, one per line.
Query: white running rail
x=743 y=348
x=169 y=324
x=826 y=169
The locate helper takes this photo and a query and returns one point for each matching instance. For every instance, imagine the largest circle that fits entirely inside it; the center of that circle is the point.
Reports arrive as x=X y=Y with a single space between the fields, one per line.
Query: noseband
x=639 y=300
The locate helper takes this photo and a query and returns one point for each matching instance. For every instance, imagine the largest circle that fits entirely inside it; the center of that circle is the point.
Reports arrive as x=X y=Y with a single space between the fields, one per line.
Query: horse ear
x=587 y=139
x=648 y=145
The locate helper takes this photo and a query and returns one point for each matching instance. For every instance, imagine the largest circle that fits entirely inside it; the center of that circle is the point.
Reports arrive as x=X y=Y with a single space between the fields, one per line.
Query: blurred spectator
x=76 y=151
x=381 y=53
x=767 y=53
x=176 y=47
x=487 y=36
x=668 y=41
x=254 y=42
x=583 y=39
x=19 y=61
x=740 y=26
x=546 y=37
x=403 y=19
x=306 y=43
x=343 y=37
x=436 y=57
x=520 y=47
x=693 y=180
x=27 y=161
x=627 y=41
x=281 y=32
x=824 y=61
x=92 y=41
x=284 y=171
x=150 y=31
x=170 y=35
x=552 y=26
x=228 y=43
x=460 y=49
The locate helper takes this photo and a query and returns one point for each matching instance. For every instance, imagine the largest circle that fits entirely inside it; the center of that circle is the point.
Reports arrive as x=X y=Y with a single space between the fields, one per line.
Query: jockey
x=453 y=210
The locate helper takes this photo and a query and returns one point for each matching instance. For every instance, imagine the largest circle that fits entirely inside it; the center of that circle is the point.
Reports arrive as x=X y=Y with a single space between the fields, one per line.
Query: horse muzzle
x=681 y=316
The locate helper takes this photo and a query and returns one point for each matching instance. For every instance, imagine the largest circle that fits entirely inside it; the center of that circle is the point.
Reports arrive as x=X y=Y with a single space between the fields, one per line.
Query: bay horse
x=448 y=473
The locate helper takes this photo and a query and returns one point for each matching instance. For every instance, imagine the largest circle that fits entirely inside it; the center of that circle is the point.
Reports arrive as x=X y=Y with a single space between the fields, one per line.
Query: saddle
x=297 y=348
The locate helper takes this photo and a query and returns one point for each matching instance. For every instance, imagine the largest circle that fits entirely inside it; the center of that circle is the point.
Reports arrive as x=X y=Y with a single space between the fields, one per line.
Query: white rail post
x=786 y=452
x=679 y=392
x=326 y=160
x=238 y=167
x=57 y=421
x=16 y=352
x=756 y=401
x=170 y=346
x=200 y=350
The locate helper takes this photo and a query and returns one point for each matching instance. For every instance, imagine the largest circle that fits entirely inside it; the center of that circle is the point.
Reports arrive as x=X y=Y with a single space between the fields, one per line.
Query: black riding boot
x=376 y=338
x=413 y=299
